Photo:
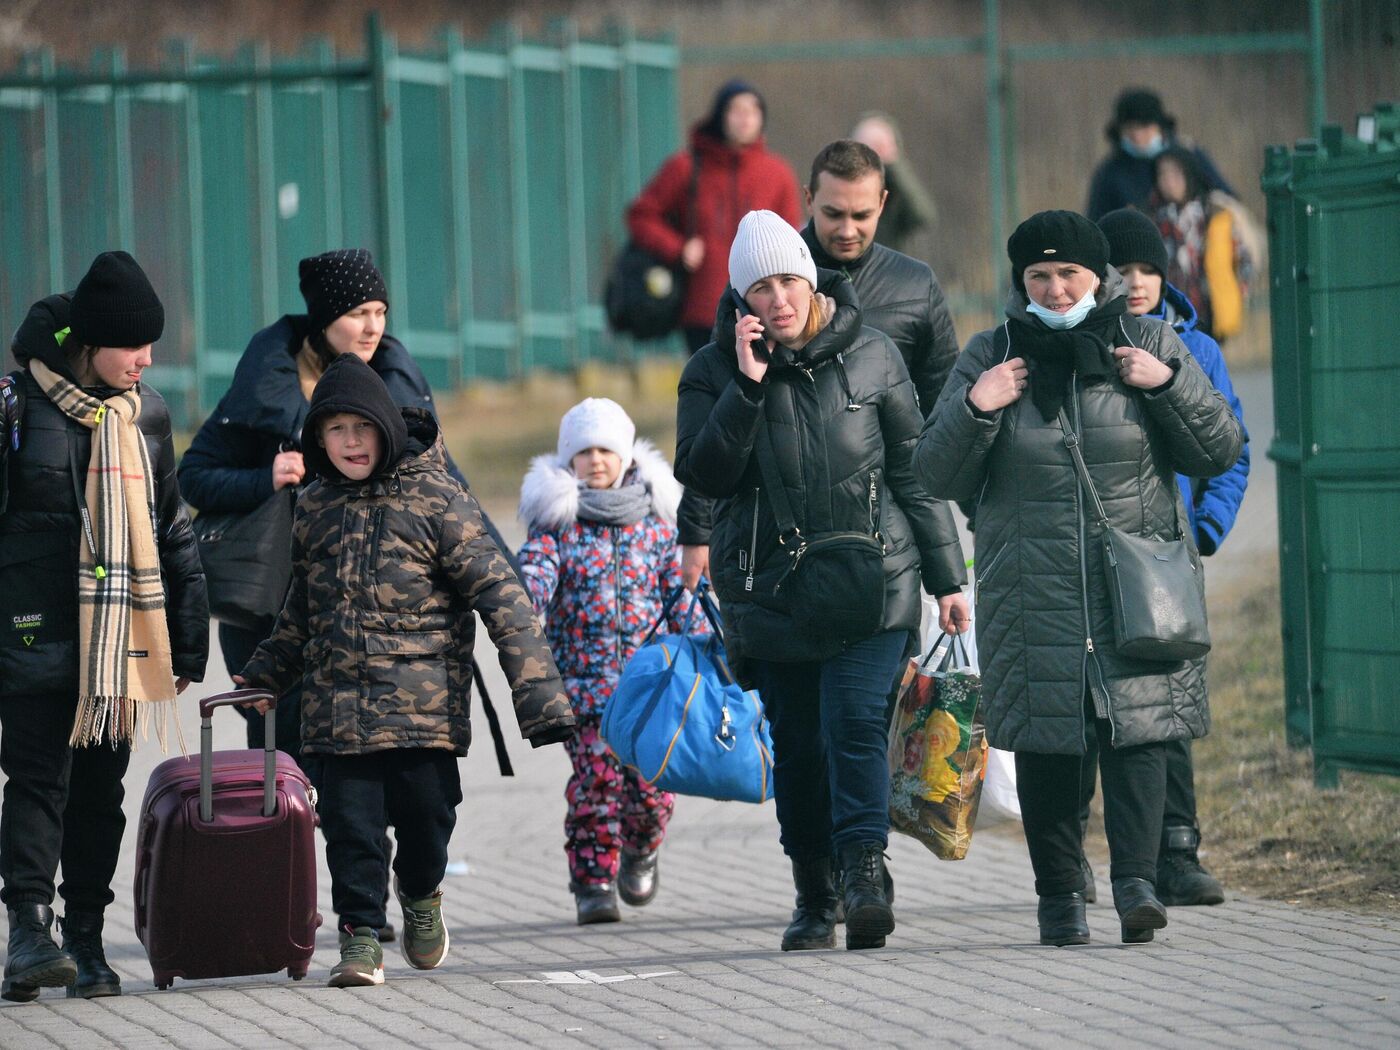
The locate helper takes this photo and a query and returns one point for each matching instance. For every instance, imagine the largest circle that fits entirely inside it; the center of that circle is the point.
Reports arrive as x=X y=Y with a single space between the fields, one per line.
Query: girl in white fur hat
x=599 y=561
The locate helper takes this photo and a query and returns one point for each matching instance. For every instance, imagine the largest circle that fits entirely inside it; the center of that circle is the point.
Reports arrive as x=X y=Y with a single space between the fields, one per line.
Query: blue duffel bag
x=678 y=718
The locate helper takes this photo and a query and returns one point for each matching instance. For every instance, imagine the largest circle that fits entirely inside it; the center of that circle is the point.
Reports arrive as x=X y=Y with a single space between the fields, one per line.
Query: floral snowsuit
x=599 y=589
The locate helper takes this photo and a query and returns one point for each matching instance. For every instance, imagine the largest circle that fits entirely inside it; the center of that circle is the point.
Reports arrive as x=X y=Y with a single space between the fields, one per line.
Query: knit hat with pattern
x=764 y=246
x=115 y=305
x=334 y=283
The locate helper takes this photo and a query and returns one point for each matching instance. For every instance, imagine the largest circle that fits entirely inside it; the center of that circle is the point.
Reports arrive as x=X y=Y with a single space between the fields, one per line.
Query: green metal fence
x=490 y=178
x=1334 y=223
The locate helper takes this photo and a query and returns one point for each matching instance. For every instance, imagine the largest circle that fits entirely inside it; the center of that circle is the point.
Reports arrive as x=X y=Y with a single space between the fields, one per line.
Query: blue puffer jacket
x=1211 y=503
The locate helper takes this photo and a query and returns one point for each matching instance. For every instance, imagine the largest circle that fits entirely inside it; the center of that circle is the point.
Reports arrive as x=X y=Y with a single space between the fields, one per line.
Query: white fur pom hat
x=765 y=245
x=597 y=422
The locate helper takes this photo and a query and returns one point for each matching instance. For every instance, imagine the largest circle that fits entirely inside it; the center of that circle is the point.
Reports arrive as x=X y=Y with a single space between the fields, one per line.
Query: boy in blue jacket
x=1137 y=252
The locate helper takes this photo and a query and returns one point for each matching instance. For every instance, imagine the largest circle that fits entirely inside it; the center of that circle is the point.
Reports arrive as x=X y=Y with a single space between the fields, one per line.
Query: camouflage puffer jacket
x=379 y=619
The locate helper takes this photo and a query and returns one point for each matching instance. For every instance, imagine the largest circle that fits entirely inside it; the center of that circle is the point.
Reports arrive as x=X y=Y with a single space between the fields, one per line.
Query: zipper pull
x=1089 y=645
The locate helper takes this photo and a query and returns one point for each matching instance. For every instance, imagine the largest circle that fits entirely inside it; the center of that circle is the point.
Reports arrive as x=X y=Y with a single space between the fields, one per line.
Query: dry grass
x=1269 y=831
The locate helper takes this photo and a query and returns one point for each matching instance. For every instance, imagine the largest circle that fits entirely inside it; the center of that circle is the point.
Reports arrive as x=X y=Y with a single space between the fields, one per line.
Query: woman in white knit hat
x=801 y=424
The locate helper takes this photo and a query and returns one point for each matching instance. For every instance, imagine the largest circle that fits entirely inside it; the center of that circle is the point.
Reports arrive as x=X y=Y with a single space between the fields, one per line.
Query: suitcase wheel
x=296 y=973
x=162 y=985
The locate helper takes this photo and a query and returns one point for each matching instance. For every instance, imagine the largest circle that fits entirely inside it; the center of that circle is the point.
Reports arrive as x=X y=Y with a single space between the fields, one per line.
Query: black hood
x=350 y=385
x=35 y=337
x=840 y=332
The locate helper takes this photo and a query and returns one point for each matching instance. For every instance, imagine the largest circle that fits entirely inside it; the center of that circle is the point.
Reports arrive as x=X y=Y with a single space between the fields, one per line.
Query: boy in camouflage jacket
x=391 y=561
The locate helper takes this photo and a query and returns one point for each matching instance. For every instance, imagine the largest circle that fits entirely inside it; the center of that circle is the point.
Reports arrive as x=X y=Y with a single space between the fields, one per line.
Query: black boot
x=34 y=961
x=841 y=891
x=1091 y=892
x=1139 y=910
x=869 y=918
x=1181 y=881
x=82 y=939
x=1062 y=921
x=814 y=919
x=596 y=902
x=637 y=877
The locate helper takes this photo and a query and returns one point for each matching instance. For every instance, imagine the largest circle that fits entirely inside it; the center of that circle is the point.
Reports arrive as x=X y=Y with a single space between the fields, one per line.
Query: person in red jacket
x=737 y=175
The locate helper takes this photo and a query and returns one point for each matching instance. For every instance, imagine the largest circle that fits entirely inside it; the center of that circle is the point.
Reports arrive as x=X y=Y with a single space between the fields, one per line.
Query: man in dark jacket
x=898 y=295
x=1139 y=131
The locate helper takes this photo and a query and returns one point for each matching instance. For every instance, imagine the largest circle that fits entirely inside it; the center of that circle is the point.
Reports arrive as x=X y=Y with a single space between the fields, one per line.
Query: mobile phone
x=759 y=345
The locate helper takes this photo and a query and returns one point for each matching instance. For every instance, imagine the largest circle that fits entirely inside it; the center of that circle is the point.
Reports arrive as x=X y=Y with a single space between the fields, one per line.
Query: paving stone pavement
x=701 y=966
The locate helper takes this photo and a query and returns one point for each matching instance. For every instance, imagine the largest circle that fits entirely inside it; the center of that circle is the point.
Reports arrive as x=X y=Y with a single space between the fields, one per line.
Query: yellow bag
x=1226 y=295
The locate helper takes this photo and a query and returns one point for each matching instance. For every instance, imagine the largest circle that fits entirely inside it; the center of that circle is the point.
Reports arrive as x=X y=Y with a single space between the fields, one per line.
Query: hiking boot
x=361 y=959
x=869 y=917
x=596 y=902
x=813 y=923
x=1181 y=881
x=82 y=939
x=637 y=877
x=1139 y=910
x=34 y=961
x=424 y=941
x=1061 y=919
x=841 y=889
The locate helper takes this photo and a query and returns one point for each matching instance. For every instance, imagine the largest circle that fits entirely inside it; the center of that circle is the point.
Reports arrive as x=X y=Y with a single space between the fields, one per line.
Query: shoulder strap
x=1072 y=443
x=497 y=737
x=773 y=483
x=1001 y=343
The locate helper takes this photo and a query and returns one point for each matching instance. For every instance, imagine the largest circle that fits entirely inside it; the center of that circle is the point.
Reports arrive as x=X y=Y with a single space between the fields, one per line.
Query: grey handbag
x=1159 y=601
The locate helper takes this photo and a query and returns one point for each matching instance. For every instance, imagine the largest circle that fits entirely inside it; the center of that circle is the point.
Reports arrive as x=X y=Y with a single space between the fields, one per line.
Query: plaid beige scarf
x=124 y=659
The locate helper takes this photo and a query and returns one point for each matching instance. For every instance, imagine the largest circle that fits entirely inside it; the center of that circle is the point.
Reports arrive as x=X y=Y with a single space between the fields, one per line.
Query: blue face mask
x=1154 y=147
x=1068 y=319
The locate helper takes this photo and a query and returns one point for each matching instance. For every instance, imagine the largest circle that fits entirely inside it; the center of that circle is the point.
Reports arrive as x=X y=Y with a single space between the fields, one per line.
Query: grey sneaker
x=424 y=939
x=361 y=960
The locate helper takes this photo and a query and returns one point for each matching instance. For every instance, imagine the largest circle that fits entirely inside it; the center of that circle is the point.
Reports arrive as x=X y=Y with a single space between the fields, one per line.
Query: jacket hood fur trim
x=549 y=493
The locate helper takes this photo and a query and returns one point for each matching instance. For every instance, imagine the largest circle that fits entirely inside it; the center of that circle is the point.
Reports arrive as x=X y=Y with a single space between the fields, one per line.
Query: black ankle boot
x=638 y=877
x=1062 y=921
x=814 y=919
x=1181 y=881
x=34 y=961
x=596 y=902
x=1139 y=910
x=869 y=917
x=82 y=939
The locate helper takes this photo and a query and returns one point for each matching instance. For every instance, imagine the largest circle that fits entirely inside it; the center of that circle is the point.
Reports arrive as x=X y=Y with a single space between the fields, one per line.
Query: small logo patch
x=1049 y=251
x=27 y=621
x=137 y=654
x=28 y=639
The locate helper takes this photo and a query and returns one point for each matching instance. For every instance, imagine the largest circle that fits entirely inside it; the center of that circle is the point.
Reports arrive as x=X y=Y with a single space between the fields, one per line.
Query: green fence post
x=121 y=151
x=519 y=197
x=53 y=200
x=459 y=152
x=996 y=107
x=1317 y=66
x=323 y=54
x=264 y=178
x=389 y=145
x=567 y=35
x=183 y=51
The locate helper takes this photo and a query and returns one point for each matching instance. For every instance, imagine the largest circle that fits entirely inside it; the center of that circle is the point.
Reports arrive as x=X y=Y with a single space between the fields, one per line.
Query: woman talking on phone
x=802 y=425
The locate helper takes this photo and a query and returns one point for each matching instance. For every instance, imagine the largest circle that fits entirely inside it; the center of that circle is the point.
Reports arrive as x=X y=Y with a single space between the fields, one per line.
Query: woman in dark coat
x=1143 y=411
x=250 y=447
x=797 y=378
x=105 y=612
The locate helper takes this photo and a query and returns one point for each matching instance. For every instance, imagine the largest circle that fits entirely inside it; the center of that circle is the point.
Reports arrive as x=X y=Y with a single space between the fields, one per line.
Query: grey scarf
x=620 y=506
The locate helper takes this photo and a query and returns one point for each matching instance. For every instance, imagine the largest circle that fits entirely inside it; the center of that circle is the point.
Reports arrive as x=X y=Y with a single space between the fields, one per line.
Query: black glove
x=11 y=412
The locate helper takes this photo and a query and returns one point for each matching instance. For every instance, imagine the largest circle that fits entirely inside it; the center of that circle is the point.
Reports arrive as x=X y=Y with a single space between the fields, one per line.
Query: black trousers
x=238 y=646
x=1053 y=788
x=1179 y=809
x=61 y=805
x=416 y=791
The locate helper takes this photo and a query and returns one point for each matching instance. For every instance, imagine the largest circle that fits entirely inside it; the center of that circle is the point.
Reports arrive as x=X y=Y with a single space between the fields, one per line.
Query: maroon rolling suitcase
x=226 y=860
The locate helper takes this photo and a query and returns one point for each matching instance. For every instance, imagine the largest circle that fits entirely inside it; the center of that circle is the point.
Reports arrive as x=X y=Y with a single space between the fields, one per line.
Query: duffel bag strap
x=497 y=737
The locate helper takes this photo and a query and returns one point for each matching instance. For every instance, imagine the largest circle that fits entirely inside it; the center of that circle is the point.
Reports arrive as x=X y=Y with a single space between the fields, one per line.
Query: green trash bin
x=1334 y=221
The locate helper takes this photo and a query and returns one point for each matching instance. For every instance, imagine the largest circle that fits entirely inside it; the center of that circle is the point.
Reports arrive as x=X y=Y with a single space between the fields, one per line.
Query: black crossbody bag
x=1159 y=607
x=833 y=587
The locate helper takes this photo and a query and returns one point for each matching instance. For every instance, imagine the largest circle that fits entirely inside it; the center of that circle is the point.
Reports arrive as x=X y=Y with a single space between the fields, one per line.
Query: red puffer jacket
x=732 y=182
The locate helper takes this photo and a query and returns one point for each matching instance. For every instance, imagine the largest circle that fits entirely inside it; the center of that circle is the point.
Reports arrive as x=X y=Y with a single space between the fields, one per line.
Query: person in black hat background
x=1140 y=130
x=82 y=619
x=1069 y=357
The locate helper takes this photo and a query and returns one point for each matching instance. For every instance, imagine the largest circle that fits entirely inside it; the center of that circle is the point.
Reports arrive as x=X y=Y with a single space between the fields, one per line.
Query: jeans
x=61 y=805
x=1053 y=788
x=416 y=790
x=831 y=779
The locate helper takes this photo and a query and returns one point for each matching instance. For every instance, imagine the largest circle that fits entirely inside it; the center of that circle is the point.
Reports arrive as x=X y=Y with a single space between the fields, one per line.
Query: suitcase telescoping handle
x=236 y=698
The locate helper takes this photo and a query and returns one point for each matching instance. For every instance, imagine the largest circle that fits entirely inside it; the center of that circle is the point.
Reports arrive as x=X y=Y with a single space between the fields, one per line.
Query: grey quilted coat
x=1044 y=622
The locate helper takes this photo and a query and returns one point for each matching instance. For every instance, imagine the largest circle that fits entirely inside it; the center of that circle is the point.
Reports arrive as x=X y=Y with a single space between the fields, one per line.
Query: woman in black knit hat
x=104 y=610
x=1069 y=363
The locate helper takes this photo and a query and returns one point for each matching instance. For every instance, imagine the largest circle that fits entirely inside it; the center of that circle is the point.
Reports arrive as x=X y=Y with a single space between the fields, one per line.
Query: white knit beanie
x=764 y=246
x=597 y=422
